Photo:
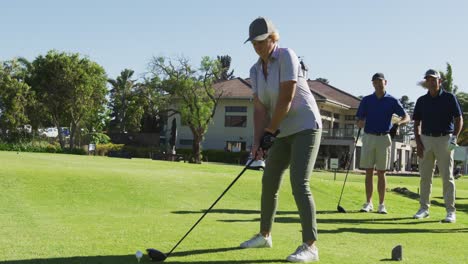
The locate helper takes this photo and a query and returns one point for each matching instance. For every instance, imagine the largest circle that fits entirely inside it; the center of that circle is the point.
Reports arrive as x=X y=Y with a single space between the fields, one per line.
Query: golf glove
x=452 y=144
x=267 y=139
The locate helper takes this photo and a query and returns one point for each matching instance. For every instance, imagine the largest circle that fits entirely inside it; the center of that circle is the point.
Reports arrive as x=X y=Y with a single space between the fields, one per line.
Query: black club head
x=340 y=209
x=156 y=255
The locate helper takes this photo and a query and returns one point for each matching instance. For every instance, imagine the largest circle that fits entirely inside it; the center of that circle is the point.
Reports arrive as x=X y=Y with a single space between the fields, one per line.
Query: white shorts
x=375 y=152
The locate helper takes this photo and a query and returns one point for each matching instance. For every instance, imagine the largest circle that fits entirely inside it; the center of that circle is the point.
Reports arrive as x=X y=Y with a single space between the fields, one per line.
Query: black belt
x=439 y=134
x=378 y=134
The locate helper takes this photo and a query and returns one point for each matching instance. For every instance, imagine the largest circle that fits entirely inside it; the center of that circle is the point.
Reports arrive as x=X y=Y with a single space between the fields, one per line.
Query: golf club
x=157 y=255
x=338 y=207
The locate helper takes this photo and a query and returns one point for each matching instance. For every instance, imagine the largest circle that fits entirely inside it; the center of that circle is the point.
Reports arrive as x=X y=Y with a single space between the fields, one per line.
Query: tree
x=463 y=100
x=191 y=90
x=225 y=66
x=447 y=80
x=71 y=89
x=409 y=108
x=126 y=112
x=15 y=96
x=322 y=80
x=154 y=101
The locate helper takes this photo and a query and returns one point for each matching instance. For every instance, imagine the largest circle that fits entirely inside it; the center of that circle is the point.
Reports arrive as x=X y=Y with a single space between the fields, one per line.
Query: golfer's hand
x=361 y=123
x=257 y=153
x=268 y=139
x=452 y=144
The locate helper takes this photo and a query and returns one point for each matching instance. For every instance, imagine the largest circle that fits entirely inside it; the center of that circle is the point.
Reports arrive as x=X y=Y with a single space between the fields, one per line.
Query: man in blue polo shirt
x=437 y=123
x=375 y=116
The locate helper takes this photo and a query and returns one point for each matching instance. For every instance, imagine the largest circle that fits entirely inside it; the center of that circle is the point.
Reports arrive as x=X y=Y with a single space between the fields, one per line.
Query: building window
x=325 y=113
x=235 y=116
x=349 y=130
x=235 y=146
x=235 y=121
x=336 y=116
x=236 y=109
x=186 y=142
x=350 y=117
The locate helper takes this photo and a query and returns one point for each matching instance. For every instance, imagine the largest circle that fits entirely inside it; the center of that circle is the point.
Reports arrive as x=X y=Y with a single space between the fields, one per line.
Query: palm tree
x=121 y=97
x=225 y=66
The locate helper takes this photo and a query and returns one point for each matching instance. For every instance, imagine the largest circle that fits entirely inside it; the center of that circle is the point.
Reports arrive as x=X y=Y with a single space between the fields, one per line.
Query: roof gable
x=331 y=93
x=235 y=88
x=242 y=89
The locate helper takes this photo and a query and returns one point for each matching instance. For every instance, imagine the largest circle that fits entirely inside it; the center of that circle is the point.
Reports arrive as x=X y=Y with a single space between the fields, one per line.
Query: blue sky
x=343 y=41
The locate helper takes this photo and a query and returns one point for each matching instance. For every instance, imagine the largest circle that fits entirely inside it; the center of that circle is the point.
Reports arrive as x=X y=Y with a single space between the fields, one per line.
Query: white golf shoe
x=367 y=207
x=258 y=241
x=304 y=253
x=421 y=213
x=382 y=209
x=450 y=218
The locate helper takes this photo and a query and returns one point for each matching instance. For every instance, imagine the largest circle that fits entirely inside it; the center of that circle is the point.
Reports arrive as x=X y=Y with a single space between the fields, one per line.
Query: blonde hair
x=274 y=36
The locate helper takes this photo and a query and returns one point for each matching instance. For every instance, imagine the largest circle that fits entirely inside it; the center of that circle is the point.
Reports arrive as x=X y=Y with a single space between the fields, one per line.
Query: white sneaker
x=450 y=218
x=258 y=241
x=382 y=209
x=304 y=253
x=422 y=213
x=367 y=207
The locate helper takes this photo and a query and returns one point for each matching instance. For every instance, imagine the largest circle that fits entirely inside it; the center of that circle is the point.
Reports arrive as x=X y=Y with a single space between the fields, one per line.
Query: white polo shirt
x=284 y=66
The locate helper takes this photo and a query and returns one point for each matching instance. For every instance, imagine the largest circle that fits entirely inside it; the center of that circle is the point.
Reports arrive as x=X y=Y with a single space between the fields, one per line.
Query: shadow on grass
x=295 y=219
x=234 y=261
x=232 y=211
x=202 y=251
x=216 y=250
x=456 y=198
x=390 y=221
x=412 y=195
x=81 y=260
x=131 y=259
x=257 y=212
x=388 y=259
x=393 y=231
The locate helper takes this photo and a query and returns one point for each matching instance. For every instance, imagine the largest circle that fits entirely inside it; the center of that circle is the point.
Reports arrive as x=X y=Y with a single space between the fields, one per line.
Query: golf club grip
x=209 y=209
x=349 y=165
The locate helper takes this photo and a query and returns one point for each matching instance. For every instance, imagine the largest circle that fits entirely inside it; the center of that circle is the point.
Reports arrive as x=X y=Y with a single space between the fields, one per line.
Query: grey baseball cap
x=260 y=29
x=378 y=75
x=432 y=73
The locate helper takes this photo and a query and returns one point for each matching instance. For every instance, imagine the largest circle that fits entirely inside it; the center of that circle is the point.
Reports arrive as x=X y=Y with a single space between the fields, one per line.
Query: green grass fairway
x=82 y=209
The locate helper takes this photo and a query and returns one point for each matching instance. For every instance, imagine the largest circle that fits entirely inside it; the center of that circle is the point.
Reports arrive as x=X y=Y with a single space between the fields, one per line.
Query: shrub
x=31 y=146
x=215 y=155
x=99 y=138
x=103 y=149
x=140 y=152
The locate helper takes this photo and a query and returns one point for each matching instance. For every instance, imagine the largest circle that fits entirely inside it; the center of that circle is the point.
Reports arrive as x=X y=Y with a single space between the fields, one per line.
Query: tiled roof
x=331 y=93
x=240 y=88
x=235 y=88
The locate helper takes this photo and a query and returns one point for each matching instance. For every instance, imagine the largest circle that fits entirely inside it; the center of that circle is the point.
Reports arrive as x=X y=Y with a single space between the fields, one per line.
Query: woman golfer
x=287 y=119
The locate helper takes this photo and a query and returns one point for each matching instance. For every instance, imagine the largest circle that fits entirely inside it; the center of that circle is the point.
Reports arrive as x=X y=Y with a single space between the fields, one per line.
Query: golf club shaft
x=349 y=165
x=209 y=209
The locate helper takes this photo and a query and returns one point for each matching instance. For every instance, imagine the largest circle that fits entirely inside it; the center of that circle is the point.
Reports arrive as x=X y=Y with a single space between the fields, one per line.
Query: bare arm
x=404 y=120
x=260 y=122
x=285 y=96
x=417 y=136
x=458 y=125
x=361 y=123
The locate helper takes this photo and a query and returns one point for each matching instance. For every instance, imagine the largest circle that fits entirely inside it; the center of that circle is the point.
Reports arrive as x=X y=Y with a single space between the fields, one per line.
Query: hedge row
x=136 y=152
x=39 y=146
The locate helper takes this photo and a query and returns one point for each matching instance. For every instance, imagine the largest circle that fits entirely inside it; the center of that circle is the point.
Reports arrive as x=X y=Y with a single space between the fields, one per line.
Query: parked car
x=49 y=132
x=25 y=128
